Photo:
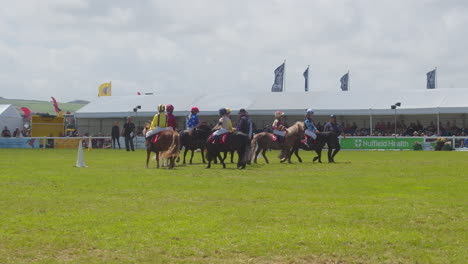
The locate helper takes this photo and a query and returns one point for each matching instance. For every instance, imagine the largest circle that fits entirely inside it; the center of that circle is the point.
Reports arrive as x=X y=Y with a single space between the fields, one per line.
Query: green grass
x=371 y=207
x=41 y=106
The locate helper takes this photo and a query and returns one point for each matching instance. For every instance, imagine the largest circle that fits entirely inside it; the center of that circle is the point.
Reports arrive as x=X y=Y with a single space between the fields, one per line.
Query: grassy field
x=41 y=106
x=371 y=207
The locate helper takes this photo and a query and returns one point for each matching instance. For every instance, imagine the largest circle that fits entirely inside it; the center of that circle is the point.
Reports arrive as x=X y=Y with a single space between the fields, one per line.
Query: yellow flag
x=105 y=89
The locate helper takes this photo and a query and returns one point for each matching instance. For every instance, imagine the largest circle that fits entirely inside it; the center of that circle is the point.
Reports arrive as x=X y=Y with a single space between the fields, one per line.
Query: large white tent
x=340 y=103
x=348 y=105
x=10 y=118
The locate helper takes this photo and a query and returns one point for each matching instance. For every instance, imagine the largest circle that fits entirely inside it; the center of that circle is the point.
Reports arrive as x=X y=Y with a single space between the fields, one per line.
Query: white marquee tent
x=10 y=118
x=324 y=103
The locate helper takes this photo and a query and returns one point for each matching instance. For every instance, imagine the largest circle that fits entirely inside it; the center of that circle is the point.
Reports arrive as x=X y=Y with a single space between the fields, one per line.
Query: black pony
x=236 y=141
x=195 y=139
x=330 y=138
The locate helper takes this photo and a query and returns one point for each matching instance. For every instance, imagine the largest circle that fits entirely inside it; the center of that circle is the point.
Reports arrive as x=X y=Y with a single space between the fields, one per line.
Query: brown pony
x=264 y=141
x=168 y=143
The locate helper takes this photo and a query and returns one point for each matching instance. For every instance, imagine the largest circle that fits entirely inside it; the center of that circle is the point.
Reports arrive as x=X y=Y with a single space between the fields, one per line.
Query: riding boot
x=215 y=139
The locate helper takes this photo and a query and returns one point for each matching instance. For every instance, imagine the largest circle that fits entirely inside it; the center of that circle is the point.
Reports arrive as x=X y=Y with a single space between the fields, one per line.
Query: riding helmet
x=310 y=111
x=169 y=108
x=279 y=114
x=194 y=109
x=228 y=110
x=223 y=111
x=161 y=108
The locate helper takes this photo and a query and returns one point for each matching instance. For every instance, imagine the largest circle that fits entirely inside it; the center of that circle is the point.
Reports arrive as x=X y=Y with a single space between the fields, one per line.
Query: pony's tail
x=253 y=147
x=174 y=149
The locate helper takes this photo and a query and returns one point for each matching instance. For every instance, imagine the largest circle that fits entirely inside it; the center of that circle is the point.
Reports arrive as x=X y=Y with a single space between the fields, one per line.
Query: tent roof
x=8 y=110
x=341 y=103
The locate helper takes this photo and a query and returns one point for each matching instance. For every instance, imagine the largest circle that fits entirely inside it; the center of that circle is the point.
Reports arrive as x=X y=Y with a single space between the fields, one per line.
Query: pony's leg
x=222 y=160
x=264 y=156
x=203 y=155
x=232 y=156
x=191 y=156
x=157 y=160
x=148 y=154
x=185 y=154
x=319 y=154
x=256 y=154
x=296 y=152
x=171 y=163
x=225 y=156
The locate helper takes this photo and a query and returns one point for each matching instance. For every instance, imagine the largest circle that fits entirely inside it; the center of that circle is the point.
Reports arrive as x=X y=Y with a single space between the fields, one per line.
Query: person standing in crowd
x=245 y=124
x=171 y=119
x=192 y=120
x=6 y=132
x=17 y=133
x=128 y=131
x=333 y=126
x=115 y=134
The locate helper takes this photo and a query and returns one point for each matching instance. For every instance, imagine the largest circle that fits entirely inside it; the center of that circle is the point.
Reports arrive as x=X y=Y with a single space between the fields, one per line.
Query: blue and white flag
x=344 y=82
x=431 y=79
x=279 y=75
x=306 y=77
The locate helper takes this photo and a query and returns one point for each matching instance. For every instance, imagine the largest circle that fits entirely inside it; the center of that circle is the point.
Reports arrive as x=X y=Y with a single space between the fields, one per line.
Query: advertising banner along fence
x=379 y=143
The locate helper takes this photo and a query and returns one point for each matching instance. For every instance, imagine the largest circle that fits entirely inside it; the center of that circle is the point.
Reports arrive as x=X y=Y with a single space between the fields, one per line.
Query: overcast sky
x=67 y=48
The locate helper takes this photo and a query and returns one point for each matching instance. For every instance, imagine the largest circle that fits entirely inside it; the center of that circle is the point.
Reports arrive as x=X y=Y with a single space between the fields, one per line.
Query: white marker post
x=80 y=159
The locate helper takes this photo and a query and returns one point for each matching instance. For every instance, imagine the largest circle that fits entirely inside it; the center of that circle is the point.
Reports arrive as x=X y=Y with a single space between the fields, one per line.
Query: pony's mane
x=298 y=127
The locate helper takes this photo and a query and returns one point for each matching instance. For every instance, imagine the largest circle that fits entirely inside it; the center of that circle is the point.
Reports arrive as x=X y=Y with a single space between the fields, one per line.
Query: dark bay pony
x=168 y=143
x=329 y=138
x=236 y=141
x=263 y=141
x=195 y=139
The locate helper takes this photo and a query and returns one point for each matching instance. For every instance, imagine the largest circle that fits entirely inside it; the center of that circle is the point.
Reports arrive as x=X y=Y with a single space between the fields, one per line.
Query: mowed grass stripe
x=371 y=207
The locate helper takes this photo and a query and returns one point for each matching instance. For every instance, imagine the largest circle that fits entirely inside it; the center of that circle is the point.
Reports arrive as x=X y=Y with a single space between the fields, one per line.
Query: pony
x=263 y=141
x=330 y=138
x=167 y=143
x=195 y=139
x=236 y=141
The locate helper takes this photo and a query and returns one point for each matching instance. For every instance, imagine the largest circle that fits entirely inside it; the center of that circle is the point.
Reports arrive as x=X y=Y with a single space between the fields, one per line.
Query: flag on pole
x=279 y=76
x=344 y=82
x=431 y=79
x=56 y=108
x=27 y=112
x=306 y=78
x=105 y=89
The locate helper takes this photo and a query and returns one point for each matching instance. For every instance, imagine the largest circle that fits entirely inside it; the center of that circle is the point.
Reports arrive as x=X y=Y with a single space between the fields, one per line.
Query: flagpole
x=284 y=76
x=435 y=78
x=308 y=80
x=349 y=81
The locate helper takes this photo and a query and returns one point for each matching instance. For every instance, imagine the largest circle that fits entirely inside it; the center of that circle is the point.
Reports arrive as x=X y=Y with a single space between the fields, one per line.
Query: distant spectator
x=333 y=126
x=128 y=132
x=115 y=134
x=6 y=132
x=17 y=133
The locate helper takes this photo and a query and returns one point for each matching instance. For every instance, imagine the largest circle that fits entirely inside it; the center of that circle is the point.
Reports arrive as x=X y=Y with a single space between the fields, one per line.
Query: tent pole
x=438 y=123
x=371 y=126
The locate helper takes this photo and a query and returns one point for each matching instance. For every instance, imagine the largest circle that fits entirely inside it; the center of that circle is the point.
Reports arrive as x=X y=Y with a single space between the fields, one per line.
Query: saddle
x=277 y=138
x=153 y=139
x=308 y=140
x=221 y=139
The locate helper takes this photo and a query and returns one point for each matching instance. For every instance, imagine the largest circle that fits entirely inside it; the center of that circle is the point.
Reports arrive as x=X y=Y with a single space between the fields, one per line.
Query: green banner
x=379 y=143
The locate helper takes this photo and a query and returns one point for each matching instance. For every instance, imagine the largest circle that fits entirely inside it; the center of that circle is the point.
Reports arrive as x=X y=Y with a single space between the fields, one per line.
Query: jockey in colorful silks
x=278 y=128
x=310 y=129
x=159 y=122
x=171 y=119
x=224 y=124
x=192 y=120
